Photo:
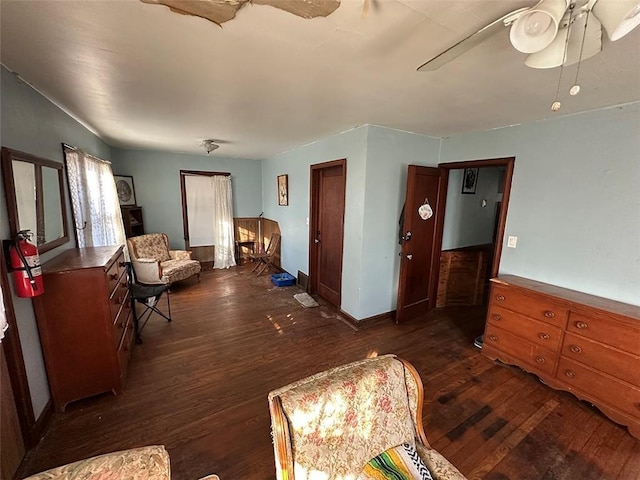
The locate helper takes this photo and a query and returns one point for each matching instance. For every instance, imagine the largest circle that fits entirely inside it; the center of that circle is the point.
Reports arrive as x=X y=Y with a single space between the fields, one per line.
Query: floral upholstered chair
x=154 y=263
x=144 y=463
x=334 y=424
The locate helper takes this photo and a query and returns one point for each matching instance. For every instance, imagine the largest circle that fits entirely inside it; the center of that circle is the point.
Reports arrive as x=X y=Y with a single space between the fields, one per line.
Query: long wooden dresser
x=85 y=323
x=572 y=341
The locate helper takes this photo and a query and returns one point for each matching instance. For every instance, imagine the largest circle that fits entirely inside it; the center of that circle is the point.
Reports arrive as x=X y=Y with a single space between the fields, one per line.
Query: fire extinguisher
x=25 y=262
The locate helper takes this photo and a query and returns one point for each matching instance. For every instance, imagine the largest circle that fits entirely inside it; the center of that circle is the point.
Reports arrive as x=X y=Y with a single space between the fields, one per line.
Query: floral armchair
x=332 y=424
x=154 y=263
x=144 y=463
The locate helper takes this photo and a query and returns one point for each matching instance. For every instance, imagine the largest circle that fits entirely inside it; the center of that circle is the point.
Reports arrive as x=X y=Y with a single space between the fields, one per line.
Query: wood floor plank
x=199 y=386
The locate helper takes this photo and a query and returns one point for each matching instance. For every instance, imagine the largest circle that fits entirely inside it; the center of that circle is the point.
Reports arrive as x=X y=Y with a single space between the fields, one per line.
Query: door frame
x=508 y=163
x=30 y=428
x=183 y=196
x=314 y=181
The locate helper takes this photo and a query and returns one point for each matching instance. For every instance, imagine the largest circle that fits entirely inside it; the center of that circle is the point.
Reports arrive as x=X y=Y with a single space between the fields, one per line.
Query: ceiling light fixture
x=209 y=145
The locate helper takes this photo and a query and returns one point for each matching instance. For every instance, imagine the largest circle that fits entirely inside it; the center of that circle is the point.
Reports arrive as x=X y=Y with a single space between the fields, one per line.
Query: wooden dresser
x=85 y=325
x=587 y=345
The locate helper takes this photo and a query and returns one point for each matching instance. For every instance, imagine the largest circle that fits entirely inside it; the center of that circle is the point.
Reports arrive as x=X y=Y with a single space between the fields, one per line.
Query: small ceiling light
x=209 y=145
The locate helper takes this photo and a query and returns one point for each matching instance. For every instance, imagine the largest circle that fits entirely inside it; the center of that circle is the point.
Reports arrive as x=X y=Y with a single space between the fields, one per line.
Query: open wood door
x=417 y=286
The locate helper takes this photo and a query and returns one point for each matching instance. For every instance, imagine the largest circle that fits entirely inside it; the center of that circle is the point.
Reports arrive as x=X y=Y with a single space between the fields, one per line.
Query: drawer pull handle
x=575 y=349
x=549 y=314
x=540 y=359
x=500 y=297
x=570 y=373
x=493 y=338
x=122 y=264
x=544 y=336
x=496 y=317
x=113 y=276
x=582 y=325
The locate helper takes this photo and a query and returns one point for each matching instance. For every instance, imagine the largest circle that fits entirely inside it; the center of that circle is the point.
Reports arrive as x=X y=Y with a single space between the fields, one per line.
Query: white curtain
x=223 y=220
x=210 y=214
x=200 y=204
x=94 y=200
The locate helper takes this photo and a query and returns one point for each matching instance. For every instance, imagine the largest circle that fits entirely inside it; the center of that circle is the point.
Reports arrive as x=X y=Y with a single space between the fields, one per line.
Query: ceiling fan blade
x=471 y=41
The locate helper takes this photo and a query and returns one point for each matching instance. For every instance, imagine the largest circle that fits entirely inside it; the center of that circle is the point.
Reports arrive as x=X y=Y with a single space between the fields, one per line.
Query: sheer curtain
x=223 y=222
x=94 y=199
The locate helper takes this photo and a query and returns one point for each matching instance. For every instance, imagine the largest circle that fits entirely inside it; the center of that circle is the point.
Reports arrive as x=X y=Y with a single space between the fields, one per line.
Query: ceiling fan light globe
x=536 y=28
x=554 y=54
x=618 y=17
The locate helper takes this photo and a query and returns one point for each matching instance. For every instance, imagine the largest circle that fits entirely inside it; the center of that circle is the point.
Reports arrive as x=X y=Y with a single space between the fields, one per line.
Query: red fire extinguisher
x=25 y=262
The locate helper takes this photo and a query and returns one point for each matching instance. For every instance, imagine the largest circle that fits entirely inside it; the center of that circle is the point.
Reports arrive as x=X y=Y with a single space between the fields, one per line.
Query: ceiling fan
x=553 y=32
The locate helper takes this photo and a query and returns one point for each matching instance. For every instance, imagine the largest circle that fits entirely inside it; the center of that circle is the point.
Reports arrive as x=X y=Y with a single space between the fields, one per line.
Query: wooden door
x=326 y=233
x=417 y=286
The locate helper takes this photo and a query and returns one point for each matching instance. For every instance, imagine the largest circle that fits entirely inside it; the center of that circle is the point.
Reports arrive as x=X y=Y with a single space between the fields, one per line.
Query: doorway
x=326 y=229
x=429 y=276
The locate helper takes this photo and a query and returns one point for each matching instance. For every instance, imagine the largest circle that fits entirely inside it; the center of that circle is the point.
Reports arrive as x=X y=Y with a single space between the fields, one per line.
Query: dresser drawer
x=611 y=391
x=619 y=335
x=126 y=343
x=537 y=332
x=622 y=365
x=536 y=356
x=535 y=306
x=119 y=297
x=112 y=276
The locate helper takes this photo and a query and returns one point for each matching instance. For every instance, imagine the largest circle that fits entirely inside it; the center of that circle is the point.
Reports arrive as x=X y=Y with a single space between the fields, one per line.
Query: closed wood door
x=417 y=286
x=326 y=234
x=12 y=448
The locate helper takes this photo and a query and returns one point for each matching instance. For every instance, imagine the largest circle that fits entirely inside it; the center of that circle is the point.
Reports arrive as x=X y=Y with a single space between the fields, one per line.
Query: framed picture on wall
x=469 y=180
x=124 y=187
x=283 y=190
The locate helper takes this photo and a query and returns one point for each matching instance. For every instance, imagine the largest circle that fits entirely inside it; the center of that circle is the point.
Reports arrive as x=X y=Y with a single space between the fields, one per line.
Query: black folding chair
x=148 y=296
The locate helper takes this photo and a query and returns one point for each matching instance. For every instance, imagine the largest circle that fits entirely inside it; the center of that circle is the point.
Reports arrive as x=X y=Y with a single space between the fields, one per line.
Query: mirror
x=33 y=188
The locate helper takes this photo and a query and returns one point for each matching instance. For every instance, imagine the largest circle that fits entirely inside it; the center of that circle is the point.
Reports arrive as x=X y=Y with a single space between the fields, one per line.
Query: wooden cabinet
x=132 y=219
x=85 y=323
x=587 y=345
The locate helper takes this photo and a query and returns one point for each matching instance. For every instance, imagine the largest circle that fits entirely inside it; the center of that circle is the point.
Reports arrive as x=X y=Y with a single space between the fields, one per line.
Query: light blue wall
x=156 y=178
x=466 y=221
x=293 y=219
x=575 y=199
x=32 y=124
x=389 y=152
x=377 y=160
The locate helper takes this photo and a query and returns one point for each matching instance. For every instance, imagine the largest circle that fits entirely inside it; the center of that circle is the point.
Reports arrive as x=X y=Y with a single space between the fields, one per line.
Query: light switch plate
x=512 y=241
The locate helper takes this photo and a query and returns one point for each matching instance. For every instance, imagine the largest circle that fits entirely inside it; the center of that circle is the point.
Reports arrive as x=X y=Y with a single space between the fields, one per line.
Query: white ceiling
x=141 y=76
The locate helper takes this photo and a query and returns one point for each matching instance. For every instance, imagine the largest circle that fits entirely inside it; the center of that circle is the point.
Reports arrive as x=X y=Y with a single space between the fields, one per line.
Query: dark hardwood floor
x=199 y=386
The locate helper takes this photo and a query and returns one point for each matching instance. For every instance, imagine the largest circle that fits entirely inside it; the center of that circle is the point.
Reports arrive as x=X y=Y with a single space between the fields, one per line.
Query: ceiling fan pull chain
x=575 y=89
x=555 y=106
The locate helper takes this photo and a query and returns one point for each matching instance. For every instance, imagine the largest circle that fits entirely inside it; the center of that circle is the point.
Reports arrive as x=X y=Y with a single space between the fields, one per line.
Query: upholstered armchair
x=332 y=424
x=154 y=263
x=144 y=463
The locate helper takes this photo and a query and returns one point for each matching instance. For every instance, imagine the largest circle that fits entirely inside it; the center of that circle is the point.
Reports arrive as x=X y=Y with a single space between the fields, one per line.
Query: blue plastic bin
x=283 y=279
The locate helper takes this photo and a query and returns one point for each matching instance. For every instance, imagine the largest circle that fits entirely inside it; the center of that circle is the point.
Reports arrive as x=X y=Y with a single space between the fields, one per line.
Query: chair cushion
x=152 y=245
x=176 y=270
x=145 y=463
x=340 y=419
x=401 y=462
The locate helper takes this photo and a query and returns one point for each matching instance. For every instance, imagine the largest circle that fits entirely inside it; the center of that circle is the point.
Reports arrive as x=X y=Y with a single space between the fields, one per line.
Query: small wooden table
x=239 y=246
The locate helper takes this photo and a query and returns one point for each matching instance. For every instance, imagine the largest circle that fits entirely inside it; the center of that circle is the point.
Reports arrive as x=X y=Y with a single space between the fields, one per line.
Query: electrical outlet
x=512 y=241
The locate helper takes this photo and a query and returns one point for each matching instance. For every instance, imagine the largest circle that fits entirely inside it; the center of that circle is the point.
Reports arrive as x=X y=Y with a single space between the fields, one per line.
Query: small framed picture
x=124 y=187
x=469 y=180
x=283 y=190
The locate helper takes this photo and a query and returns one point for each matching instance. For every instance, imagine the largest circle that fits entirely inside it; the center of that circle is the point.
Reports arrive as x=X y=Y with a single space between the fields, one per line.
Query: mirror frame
x=8 y=156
